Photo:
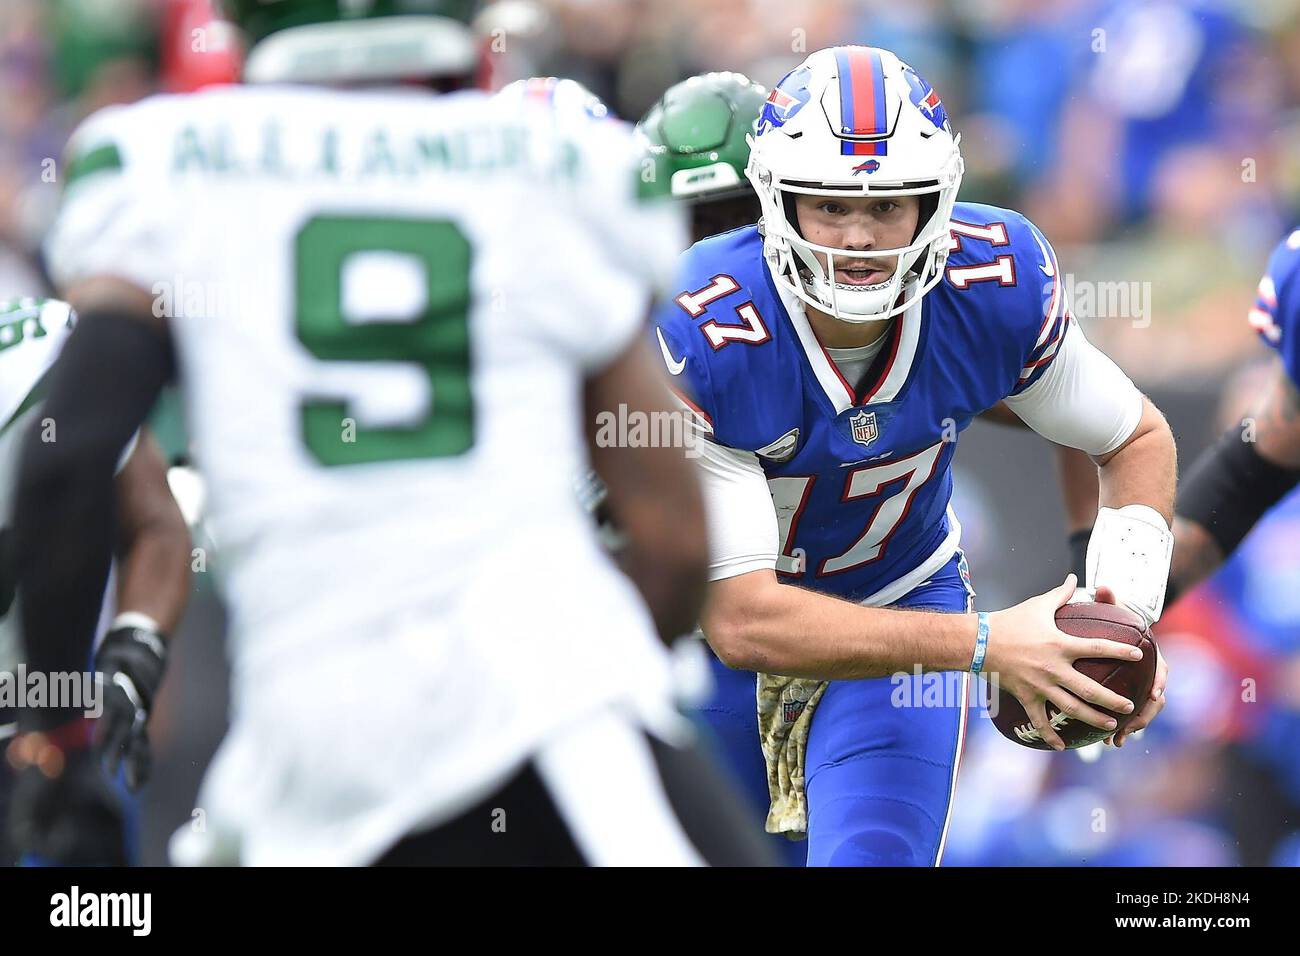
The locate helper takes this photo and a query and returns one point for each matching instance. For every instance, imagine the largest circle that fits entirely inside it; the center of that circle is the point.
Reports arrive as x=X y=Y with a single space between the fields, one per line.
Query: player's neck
x=836 y=334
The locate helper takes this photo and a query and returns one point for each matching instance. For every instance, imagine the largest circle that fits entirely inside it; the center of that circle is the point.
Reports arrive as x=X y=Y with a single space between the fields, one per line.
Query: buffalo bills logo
x=869 y=167
x=926 y=99
x=787 y=98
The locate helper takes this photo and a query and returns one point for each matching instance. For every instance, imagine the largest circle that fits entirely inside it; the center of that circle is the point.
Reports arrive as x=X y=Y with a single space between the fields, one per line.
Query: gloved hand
x=131 y=659
x=63 y=810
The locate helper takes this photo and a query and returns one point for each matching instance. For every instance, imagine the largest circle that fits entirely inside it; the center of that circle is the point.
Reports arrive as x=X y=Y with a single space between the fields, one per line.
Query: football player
x=76 y=818
x=700 y=127
x=1251 y=468
x=391 y=312
x=831 y=355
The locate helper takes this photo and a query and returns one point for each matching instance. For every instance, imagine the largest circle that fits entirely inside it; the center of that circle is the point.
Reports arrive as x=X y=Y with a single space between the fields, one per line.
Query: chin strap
x=1129 y=552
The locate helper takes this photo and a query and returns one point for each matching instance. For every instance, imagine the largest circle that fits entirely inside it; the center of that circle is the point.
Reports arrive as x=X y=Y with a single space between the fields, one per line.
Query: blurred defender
x=390 y=312
x=67 y=813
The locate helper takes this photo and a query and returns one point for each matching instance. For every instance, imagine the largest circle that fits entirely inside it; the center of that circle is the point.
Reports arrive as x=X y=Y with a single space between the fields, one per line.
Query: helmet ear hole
x=791 y=214
x=928 y=206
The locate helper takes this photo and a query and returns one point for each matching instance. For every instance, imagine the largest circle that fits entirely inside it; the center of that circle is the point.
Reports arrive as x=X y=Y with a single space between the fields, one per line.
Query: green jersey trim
x=101 y=159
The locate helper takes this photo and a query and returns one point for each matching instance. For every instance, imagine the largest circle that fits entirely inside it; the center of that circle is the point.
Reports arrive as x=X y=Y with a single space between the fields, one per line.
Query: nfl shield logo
x=864 y=427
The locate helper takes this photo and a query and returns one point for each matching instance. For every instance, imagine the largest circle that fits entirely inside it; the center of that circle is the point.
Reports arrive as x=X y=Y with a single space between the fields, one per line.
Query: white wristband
x=1130 y=552
x=137 y=620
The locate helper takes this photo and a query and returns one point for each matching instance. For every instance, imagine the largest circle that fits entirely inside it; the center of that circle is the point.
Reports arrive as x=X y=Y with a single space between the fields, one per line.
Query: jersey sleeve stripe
x=105 y=158
x=1263 y=315
x=1263 y=323
x=1056 y=331
x=1039 y=365
x=1267 y=292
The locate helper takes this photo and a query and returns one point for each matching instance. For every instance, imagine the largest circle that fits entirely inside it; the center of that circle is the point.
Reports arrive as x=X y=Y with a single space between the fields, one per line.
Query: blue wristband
x=981 y=642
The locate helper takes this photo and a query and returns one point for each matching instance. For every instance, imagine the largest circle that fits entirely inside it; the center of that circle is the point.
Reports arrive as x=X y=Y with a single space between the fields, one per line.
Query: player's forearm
x=777 y=629
x=154 y=541
x=63 y=530
x=671 y=584
x=154 y=579
x=1079 y=487
x=1143 y=471
x=653 y=497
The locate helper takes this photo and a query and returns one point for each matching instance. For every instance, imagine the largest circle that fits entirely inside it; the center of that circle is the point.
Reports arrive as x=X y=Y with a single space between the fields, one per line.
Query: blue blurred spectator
x=1172 y=73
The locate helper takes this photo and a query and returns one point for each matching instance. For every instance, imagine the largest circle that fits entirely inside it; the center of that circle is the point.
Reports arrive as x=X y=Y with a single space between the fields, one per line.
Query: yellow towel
x=785 y=711
x=785 y=714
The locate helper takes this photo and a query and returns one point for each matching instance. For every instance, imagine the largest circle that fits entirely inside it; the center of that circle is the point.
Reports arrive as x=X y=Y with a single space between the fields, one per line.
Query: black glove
x=63 y=811
x=1079 y=553
x=132 y=660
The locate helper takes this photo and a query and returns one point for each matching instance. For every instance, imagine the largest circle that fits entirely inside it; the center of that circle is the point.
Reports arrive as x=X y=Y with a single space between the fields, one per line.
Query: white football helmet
x=855 y=121
x=568 y=97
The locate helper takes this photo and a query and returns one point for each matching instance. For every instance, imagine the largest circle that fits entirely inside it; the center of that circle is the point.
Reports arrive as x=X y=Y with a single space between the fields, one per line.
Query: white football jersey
x=384 y=304
x=32 y=333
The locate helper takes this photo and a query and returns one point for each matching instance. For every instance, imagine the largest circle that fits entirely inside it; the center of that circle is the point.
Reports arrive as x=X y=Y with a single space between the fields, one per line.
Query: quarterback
x=831 y=355
x=702 y=127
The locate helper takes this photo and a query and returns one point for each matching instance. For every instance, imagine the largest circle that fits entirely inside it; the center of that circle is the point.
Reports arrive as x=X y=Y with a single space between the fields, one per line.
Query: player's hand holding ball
x=1154 y=700
x=1046 y=702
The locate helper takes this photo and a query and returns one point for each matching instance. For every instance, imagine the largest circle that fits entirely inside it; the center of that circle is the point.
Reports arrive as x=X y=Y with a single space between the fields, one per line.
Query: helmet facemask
x=919 y=265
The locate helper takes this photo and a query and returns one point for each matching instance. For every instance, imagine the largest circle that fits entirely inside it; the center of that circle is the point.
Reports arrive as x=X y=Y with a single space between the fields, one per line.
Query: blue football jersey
x=861 y=477
x=1276 y=315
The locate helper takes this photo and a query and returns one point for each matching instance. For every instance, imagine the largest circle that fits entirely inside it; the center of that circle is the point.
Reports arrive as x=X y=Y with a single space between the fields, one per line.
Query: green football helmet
x=324 y=41
x=698 y=130
x=701 y=124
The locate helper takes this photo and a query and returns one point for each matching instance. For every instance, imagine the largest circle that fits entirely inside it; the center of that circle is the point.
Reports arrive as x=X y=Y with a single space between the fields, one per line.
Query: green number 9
x=436 y=339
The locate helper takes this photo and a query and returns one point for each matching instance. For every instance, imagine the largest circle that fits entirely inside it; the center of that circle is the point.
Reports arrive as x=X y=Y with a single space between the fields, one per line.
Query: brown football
x=1131 y=679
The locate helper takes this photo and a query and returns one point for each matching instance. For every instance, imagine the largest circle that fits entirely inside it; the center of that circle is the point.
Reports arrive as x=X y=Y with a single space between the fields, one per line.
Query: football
x=1132 y=679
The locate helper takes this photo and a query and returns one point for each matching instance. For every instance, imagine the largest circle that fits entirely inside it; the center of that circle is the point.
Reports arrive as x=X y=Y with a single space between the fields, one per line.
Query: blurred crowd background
x=1156 y=142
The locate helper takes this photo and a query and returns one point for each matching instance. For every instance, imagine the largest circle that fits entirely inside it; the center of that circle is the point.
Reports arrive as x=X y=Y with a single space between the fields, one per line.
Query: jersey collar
x=888 y=373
